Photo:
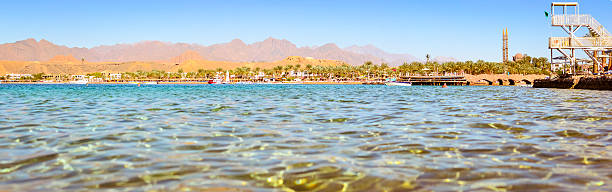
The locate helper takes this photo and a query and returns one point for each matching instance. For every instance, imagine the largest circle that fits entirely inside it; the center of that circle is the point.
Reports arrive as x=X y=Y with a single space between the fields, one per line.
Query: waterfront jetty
x=597 y=45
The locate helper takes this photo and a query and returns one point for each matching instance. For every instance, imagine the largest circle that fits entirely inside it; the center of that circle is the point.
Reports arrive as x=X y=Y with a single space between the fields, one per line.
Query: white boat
x=151 y=83
x=81 y=82
x=227 y=78
x=398 y=83
x=526 y=85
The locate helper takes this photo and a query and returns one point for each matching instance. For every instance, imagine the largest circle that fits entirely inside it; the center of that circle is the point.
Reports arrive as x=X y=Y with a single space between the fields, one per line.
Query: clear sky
x=464 y=29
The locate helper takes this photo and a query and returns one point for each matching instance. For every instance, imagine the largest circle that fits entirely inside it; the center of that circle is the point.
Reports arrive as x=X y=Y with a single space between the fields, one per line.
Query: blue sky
x=464 y=29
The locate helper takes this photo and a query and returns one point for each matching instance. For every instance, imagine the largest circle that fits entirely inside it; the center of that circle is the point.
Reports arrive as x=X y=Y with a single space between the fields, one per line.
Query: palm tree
x=201 y=73
x=288 y=68
x=276 y=70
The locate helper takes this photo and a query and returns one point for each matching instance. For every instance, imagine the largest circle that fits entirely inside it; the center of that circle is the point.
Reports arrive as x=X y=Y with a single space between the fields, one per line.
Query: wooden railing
x=579 y=42
x=580 y=20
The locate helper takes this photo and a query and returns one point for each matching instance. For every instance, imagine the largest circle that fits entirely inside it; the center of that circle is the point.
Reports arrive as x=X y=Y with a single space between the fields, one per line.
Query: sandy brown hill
x=66 y=59
x=191 y=65
x=2 y=70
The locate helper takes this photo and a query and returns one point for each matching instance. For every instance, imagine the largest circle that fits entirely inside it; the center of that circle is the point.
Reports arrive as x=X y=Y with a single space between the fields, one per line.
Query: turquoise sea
x=303 y=138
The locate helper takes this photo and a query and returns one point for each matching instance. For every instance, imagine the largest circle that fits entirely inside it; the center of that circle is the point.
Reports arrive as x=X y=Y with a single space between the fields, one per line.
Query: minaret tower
x=505 y=46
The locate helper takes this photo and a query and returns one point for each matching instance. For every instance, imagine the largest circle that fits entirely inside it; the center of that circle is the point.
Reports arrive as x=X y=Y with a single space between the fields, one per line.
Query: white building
x=78 y=77
x=114 y=76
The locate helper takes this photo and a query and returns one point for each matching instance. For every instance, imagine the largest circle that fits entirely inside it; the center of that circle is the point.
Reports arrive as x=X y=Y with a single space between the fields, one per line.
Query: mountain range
x=268 y=50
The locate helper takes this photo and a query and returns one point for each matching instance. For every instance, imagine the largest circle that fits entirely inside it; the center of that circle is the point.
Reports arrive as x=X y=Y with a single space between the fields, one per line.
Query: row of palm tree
x=368 y=70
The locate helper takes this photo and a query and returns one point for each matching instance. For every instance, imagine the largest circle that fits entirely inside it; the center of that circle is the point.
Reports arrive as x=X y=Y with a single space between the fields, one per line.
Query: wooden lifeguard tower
x=597 y=44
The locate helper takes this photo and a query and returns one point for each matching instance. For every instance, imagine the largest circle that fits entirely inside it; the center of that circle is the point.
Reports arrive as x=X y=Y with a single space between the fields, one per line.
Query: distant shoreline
x=470 y=80
x=191 y=83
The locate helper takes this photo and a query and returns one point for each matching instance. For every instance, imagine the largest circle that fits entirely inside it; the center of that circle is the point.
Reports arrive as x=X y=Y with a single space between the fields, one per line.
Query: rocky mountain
x=391 y=58
x=268 y=50
x=32 y=50
x=187 y=56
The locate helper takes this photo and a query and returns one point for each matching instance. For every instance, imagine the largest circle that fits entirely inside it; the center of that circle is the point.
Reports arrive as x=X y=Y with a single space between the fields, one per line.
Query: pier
x=596 y=44
x=435 y=80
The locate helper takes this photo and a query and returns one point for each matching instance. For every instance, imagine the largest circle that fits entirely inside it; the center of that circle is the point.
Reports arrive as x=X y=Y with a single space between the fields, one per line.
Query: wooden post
x=604 y=61
x=610 y=61
x=595 y=63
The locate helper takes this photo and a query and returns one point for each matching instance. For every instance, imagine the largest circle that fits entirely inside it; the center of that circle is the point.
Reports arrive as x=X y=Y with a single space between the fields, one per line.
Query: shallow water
x=303 y=138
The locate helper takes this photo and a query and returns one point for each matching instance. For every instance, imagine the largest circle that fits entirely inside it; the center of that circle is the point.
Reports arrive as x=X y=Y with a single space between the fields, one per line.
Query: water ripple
x=303 y=138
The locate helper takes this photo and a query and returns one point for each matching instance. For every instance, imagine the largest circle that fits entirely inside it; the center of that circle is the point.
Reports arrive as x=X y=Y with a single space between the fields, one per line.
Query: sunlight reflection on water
x=303 y=138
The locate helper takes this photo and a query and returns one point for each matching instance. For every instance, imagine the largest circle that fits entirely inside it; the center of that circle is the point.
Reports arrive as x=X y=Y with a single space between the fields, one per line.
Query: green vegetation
x=368 y=70
x=526 y=65
x=38 y=76
x=96 y=75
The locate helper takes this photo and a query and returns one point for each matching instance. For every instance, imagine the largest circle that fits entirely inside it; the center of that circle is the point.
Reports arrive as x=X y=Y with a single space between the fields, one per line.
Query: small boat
x=80 y=82
x=215 y=81
x=151 y=83
x=398 y=83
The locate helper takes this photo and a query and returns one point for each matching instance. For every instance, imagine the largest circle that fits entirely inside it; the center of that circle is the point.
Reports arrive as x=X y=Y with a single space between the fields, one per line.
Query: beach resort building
x=109 y=75
x=114 y=76
x=77 y=77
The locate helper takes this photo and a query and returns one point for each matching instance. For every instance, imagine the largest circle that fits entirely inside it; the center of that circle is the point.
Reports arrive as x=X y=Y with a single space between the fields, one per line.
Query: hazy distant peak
x=189 y=55
x=150 y=42
x=391 y=58
x=277 y=41
x=370 y=46
x=29 y=41
x=329 y=46
x=442 y=59
x=364 y=49
x=271 y=39
x=237 y=42
x=44 y=41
